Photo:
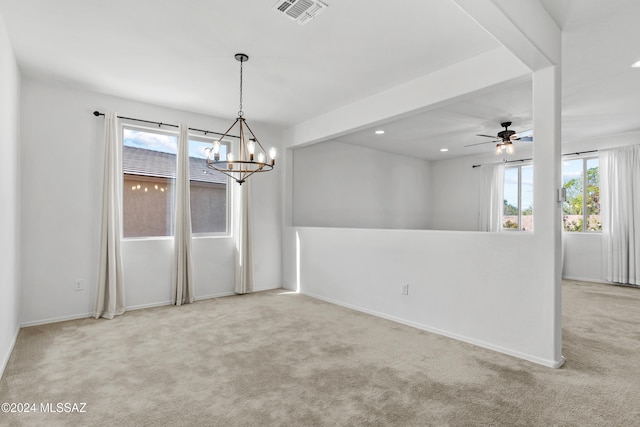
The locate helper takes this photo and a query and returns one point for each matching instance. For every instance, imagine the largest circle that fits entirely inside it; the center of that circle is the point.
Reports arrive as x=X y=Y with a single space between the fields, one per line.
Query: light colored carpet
x=279 y=358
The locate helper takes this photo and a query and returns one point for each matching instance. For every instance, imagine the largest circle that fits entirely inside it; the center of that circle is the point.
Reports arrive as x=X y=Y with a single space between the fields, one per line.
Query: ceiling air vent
x=301 y=11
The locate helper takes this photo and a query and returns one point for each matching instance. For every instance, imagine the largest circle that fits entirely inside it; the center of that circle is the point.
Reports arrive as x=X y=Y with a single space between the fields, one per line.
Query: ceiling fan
x=505 y=137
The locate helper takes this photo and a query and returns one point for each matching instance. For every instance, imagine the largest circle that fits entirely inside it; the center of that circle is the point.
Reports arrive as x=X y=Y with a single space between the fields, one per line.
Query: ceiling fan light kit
x=505 y=147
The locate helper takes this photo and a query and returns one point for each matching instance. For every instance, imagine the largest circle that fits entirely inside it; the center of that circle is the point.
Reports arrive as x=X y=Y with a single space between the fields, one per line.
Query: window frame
x=229 y=191
x=585 y=192
x=519 y=229
x=124 y=124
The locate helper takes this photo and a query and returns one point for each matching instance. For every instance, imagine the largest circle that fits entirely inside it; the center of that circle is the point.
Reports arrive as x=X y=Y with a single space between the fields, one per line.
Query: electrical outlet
x=405 y=289
x=79 y=286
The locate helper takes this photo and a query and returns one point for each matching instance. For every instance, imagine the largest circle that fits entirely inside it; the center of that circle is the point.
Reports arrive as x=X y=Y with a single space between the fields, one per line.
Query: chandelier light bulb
x=251 y=148
x=230 y=160
x=216 y=151
x=207 y=152
x=272 y=154
x=260 y=157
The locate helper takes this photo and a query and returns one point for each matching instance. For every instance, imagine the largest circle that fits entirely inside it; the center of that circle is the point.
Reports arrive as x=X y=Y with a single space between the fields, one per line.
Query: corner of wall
x=10 y=261
x=7 y=355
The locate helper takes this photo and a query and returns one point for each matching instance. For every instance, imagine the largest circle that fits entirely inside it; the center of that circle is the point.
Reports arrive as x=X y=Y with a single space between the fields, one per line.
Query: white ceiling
x=454 y=126
x=600 y=89
x=180 y=54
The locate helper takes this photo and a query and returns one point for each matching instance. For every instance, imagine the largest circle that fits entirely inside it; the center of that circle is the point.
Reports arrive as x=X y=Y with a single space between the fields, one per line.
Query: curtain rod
x=526 y=160
x=98 y=113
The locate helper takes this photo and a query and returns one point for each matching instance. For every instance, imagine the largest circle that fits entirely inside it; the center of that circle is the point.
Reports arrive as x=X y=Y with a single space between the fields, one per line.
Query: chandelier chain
x=240 y=113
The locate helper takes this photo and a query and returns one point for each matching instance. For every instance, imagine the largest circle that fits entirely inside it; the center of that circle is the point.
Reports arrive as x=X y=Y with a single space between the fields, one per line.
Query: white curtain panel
x=491 y=194
x=620 y=210
x=182 y=288
x=110 y=293
x=244 y=247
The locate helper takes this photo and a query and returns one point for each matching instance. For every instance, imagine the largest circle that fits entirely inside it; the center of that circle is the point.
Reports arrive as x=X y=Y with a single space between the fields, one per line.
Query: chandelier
x=251 y=156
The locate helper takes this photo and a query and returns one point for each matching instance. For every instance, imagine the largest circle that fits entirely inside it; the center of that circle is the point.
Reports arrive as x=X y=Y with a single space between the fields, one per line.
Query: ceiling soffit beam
x=422 y=94
x=524 y=27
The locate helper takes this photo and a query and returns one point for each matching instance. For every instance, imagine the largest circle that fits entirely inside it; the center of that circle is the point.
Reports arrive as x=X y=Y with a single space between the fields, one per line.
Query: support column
x=547 y=160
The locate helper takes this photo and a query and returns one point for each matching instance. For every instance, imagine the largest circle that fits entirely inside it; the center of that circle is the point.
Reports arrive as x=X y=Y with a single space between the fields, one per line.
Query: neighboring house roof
x=138 y=161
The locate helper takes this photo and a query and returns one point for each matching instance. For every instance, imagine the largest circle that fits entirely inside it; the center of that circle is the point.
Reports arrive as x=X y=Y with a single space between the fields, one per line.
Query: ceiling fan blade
x=523 y=139
x=480 y=143
x=488 y=136
x=523 y=134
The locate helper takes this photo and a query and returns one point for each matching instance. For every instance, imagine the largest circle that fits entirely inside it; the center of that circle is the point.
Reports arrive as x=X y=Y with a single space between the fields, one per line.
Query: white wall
x=514 y=309
x=343 y=185
x=456 y=207
x=455 y=288
x=455 y=191
x=455 y=199
x=455 y=204
x=9 y=197
x=451 y=290
x=583 y=251
x=61 y=187
x=582 y=257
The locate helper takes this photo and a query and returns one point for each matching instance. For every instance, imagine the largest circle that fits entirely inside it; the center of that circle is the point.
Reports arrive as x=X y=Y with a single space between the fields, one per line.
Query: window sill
x=193 y=236
x=588 y=233
x=212 y=236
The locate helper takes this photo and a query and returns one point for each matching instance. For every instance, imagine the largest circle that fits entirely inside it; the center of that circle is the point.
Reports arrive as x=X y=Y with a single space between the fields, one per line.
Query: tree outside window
x=581 y=209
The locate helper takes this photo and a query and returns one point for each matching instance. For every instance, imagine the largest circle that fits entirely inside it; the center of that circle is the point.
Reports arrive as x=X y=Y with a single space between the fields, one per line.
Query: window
x=518 y=198
x=581 y=209
x=209 y=189
x=149 y=170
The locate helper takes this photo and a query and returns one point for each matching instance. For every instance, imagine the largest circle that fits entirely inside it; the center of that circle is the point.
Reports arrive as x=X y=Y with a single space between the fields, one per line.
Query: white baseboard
x=143 y=306
x=229 y=294
x=587 y=279
x=55 y=320
x=5 y=358
x=535 y=359
x=90 y=314
x=218 y=295
x=267 y=288
x=85 y=315
x=198 y=298
x=128 y=308
x=602 y=281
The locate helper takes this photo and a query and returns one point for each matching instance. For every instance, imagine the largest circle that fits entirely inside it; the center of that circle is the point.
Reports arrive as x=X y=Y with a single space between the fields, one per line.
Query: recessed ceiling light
x=379 y=132
x=636 y=64
x=444 y=149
